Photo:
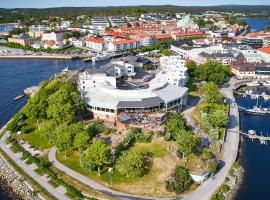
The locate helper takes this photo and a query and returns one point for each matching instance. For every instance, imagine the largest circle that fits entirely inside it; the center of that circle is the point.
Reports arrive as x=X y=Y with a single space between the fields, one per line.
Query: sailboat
x=257 y=110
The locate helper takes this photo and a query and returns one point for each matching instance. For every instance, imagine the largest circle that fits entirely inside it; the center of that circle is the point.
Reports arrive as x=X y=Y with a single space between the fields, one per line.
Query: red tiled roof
x=181 y=34
x=95 y=40
x=265 y=50
x=255 y=35
x=163 y=36
x=124 y=41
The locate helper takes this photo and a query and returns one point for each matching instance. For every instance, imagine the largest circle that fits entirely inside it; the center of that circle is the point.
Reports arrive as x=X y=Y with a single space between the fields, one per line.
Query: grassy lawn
x=37 y=140
x=151 y=184
x=157 y=148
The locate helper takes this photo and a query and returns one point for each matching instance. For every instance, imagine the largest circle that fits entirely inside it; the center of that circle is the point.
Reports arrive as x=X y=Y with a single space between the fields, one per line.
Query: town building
x=22 y=41
x=182 y=35
x=53 y=35
x=117 y=21
x=106 y=100
x=100 y=22
x=123 y=44
x=96 y=44
x=187 y=23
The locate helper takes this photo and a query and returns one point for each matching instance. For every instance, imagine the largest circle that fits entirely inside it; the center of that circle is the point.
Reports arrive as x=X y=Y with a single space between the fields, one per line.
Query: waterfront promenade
x=229 y=150
x=53 y=191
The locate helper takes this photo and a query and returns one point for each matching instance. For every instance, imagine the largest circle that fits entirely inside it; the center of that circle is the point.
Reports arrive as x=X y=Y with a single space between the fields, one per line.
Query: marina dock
x=261 y=138
x=253 y=96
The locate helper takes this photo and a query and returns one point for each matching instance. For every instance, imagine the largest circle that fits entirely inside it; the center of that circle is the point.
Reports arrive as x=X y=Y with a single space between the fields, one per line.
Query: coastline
x=62 y=57
x=240 y=175
x=15 y=183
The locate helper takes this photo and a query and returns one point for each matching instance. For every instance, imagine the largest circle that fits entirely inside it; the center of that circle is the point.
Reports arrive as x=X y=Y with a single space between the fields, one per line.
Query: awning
x=124 y=117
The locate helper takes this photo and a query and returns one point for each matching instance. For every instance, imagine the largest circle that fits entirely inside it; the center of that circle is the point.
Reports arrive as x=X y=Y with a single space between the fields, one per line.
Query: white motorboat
x=100 y=57
x=251 y=132
x=266 y=83
x=65 y=70
x=253 y=84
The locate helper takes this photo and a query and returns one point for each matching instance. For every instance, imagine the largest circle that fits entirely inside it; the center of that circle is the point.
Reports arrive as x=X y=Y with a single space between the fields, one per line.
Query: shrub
x=132 y=164
x=179 y=181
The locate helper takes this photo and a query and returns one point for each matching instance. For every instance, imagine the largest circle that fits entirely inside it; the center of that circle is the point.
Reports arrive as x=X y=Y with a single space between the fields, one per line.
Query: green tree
x=211 y=93
x=179 y=181
x=174 y=124
x=187 y=142
x=219 y=118
x=132 y=164
x=98 y=154
x=81 y=140
x=63 y=139
x=201 y=23
x=65 y=105
x=47 y=128
x=212 y=71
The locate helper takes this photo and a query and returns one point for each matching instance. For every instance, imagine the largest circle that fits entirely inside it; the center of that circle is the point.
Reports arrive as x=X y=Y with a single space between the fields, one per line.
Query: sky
x=82 y=3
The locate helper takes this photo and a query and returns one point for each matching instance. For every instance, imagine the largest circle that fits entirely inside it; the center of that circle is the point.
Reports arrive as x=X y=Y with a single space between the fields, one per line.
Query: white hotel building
x=105 y=100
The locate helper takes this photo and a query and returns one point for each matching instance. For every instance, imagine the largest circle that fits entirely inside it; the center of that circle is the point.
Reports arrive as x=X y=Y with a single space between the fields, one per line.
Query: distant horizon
x=39 y=4
x=136 y=6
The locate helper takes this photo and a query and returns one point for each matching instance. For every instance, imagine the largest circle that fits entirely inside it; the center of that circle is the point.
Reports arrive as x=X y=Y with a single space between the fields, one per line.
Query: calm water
x=255 y=156
x=257 y=24
x=15 y=76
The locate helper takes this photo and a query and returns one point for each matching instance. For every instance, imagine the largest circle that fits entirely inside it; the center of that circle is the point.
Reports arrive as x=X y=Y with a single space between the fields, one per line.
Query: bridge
x=261 y=138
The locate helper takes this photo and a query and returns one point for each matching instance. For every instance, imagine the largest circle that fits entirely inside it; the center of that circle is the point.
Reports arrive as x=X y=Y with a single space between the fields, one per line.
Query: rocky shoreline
x=15 y=183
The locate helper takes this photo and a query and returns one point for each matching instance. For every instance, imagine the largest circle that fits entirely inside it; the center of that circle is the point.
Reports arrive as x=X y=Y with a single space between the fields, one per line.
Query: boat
x=65 y=70
x=253 y=84
x=266 y=83
x=18 y=97
x=100 y=57
x=257 y=111
x=251 y=132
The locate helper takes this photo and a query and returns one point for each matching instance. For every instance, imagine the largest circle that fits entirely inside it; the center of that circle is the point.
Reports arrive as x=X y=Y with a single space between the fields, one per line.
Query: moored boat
x=266 y=83
x=253 y=84
x=18 y=97
x=100 y=57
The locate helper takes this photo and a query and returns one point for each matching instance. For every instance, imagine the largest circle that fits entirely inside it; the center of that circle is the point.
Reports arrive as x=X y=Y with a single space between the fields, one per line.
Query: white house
x=54 y=35
x=123 y=44
x=174 y=70
x=96 y=44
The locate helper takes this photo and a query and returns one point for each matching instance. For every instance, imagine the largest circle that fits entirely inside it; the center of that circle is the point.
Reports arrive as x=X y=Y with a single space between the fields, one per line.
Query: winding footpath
x=209 y=187
x=89 y=182
x=29 y=171
x=230 y=149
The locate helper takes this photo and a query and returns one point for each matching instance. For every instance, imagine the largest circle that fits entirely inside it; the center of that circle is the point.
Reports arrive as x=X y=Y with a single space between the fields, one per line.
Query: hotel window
x=98 y=108
x=103 y=109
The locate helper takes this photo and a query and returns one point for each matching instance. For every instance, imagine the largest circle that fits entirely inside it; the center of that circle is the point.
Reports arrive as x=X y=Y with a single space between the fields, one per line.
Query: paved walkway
x=89 y=182
x=230 y=150
x=208 y=188
x=27 y=169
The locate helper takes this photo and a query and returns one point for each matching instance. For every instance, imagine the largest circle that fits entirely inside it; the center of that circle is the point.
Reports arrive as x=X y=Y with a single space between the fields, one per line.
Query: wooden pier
x=253 y=96
x=261 y=138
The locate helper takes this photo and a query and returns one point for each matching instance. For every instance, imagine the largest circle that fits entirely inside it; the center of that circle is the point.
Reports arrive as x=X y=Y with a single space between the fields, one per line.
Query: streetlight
x=110 y=171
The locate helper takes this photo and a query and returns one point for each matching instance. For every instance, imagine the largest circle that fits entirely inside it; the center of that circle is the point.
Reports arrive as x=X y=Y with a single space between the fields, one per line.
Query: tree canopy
x=212 y=71
x=98 y=154
x=132 y=164
x=211 y=93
